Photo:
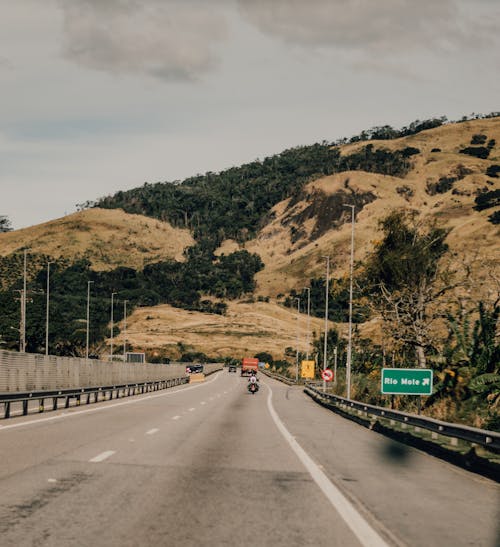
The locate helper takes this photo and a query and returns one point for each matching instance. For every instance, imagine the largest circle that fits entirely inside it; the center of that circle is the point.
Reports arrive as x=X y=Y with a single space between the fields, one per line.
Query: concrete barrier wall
x=33 y=372
x=209 y=368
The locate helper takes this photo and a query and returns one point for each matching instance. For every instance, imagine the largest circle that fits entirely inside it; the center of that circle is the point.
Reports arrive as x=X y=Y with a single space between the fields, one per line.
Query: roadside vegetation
x=404 y=281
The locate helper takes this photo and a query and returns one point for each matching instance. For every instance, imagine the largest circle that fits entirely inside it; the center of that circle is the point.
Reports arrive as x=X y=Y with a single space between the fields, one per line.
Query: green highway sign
x=407 y=381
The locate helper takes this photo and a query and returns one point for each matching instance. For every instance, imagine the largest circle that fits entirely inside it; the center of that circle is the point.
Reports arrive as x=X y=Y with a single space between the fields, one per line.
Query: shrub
x=478 y=139
x=436 y=150
x=493 y=171
x=409 y=151
x=495 y=217
x=477 y=151
x=486 y=200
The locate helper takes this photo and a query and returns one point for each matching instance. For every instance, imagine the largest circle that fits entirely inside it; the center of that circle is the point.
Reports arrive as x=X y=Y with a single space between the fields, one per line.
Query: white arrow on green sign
x=407 y=381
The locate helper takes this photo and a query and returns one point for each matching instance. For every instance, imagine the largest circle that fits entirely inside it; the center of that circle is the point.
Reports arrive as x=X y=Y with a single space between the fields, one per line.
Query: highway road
x=209 y=464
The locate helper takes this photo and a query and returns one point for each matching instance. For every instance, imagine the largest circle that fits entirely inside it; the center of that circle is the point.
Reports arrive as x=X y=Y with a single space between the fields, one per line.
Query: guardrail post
x=25 y=407
x=6 y=413
x=66 y=402
x=54 y=403
x=41 y=405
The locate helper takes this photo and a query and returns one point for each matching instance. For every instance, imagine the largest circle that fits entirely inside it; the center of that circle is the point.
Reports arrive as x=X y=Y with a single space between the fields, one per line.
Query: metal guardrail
x=279 y=377
x=101 y=393
x=485 y=438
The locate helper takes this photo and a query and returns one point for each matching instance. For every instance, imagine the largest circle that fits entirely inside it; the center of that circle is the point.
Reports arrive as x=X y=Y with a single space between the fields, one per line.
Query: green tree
x=5 y=225
x=404 y=279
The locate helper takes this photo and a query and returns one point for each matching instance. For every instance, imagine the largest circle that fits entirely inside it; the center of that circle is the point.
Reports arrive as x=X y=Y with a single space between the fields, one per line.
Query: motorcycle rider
x=253 y=380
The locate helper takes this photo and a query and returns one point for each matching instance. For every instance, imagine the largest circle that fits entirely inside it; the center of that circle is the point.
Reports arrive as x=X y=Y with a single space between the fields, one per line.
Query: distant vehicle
x=249 y=365
x=232 y=368
x=193 y=369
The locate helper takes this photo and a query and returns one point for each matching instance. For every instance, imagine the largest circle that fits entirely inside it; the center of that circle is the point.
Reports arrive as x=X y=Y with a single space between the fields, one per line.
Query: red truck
x=249 y=365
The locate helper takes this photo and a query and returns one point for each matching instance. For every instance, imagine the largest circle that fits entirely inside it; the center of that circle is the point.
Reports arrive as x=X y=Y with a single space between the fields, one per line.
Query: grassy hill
x=302 y=219
x=108 y=238
x=305 y=228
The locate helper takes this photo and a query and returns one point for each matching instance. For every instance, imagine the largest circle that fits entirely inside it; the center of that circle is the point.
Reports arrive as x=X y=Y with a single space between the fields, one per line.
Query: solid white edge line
x=107 y=407
x=359 y=526
x=103 y=456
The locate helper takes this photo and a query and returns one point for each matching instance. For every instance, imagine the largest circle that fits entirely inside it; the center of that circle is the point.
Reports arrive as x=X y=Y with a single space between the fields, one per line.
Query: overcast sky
x=104 y=95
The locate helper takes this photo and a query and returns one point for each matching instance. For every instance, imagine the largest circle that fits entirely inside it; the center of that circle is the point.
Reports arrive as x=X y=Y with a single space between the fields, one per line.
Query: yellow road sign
x=307 y=369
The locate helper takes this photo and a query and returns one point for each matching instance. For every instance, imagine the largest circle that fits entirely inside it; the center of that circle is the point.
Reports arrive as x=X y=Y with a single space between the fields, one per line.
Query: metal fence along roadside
x=474 y=435
x=23 y=372
x=28 y=381
x=34 y=372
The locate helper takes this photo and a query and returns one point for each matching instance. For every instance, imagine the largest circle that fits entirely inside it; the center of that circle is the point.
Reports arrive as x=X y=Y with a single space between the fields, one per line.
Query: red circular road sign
x=327 y=375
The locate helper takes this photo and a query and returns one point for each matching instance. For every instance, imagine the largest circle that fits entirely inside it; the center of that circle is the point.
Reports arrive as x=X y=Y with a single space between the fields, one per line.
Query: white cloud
x=386 y=27
x=168 y=39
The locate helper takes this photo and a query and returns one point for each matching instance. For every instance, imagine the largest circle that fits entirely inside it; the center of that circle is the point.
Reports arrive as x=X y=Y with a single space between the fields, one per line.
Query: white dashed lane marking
x=191 y=409
x=103 y=456
x=175 y=417
x=152 y=431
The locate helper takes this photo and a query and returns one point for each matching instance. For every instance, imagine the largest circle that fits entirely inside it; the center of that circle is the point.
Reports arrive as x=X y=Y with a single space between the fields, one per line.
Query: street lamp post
x=335 y=365
x=88 y=319
x=308 y=289
x=47 y=314
x=297 y=341
x=326 y=315
x=124 y=329
x=111 y=345
x=349 y=343
x=23 y=307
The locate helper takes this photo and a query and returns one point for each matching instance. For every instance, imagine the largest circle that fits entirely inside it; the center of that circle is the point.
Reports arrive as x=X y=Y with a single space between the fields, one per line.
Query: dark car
x=193 y=369
x=232 y=368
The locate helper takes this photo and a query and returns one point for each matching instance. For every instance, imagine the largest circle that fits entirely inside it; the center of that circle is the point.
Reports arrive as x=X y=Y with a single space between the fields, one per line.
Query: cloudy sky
x=104 y=95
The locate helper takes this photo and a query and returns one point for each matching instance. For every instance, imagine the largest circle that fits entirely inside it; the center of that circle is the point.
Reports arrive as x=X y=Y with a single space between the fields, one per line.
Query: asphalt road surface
x=210 y=464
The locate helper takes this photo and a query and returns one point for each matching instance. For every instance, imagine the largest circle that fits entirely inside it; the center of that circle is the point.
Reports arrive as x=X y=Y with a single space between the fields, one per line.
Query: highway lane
x=420 y=499
x=196 y=465
x=190 y=466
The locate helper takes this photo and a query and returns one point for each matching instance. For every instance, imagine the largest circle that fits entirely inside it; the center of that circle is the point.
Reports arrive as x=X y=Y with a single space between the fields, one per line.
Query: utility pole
x=124 y=329
x=20 y=329
x=23 y=307
x=335 y=365
x=308 y=289
x=47 y=315
x=111 y=347
x=88 y=318
x=297 y=341
x=326 y=315
x=349 y=343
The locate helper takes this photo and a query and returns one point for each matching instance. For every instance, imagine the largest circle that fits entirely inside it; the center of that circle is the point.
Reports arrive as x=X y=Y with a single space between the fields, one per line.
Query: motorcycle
x=253 y=387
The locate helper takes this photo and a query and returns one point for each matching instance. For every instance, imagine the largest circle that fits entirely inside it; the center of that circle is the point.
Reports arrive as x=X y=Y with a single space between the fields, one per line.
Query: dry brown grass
x=247 y=329
x=113 y=238
x=473 y=239
x=107 y=237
